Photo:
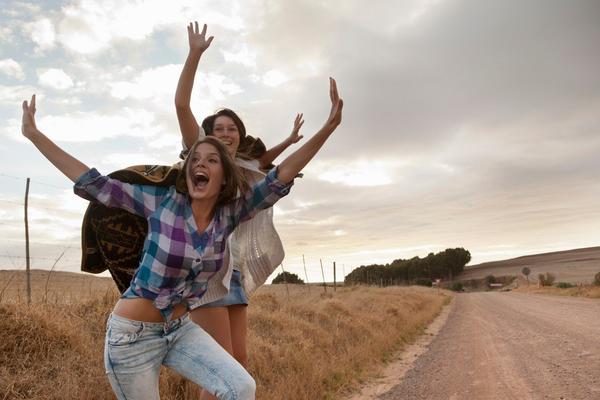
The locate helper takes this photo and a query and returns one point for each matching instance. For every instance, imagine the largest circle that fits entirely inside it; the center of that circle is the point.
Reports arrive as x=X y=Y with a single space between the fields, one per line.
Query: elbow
x=181 y=105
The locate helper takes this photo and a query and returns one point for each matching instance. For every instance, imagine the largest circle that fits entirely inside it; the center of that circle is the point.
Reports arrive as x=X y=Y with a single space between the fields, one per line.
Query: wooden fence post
x=27 y=266
x=323 y=274
x=334 y=278
x=305 y=274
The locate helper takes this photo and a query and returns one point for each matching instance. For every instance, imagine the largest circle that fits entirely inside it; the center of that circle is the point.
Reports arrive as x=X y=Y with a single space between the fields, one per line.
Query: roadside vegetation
x=546 y=285
x=303 y=343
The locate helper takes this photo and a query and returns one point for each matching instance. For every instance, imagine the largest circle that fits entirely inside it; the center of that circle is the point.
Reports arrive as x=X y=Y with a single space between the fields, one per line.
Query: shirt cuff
x=82 y=182
x=276 y=185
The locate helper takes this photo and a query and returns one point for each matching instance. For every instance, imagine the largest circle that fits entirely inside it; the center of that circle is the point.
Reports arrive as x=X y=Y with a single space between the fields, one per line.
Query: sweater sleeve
x=138 y=199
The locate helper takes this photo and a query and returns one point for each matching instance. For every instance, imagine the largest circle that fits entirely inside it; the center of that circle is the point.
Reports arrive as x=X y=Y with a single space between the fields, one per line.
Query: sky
x=466 y=123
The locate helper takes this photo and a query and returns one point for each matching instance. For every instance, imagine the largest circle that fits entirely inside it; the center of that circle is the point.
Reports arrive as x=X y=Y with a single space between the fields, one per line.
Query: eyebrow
x=214 y=153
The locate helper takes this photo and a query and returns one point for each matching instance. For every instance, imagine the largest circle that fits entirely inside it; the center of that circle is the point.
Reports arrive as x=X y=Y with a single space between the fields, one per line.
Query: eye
x=213 y=160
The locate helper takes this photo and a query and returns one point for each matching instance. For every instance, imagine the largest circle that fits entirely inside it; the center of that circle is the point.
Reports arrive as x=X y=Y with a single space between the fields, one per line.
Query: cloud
x=86 y=127
x=362 y=173
x=13 y=96
x=11 y=68
x=55 y=78
x=42 y=33
x=274 y=78
x=88 y=27
x=158 y=86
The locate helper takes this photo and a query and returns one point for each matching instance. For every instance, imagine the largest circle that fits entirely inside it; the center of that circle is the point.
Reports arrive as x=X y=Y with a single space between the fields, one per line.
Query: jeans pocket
x=121 y=334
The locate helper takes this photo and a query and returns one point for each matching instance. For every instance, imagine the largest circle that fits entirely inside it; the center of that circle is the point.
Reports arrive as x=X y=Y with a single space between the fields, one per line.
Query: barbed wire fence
x=74 y=263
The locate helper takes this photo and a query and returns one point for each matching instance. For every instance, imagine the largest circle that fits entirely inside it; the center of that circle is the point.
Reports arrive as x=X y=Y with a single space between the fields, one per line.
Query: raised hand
x=197 y=39
x=335 y=115
x=298 y=122
x=28 y=127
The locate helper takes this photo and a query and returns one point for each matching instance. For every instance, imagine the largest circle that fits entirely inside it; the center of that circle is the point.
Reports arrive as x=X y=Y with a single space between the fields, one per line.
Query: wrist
x=193 y=52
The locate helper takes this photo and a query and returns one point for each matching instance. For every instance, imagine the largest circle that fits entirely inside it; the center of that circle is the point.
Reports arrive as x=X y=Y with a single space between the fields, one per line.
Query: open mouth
x=200 y=180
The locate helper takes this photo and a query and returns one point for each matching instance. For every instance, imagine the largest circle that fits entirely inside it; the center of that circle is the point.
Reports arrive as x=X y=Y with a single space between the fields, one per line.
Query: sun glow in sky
x=466 y=123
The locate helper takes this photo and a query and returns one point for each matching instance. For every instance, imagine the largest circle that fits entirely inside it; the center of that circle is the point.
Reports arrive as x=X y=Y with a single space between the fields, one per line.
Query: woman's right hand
x=197 y=39
x=28 y=127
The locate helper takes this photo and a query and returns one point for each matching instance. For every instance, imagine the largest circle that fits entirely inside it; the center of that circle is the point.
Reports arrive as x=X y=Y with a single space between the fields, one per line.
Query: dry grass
x=308 y=346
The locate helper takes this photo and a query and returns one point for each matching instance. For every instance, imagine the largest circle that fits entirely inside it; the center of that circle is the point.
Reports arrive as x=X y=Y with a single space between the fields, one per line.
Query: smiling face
x=204 y=174
x=227 y=132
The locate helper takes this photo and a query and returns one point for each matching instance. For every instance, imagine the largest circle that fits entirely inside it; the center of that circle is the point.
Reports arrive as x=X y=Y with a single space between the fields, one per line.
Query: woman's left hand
x=335 y=115
x=28 y=126
x=197 y=39
x=298 y=122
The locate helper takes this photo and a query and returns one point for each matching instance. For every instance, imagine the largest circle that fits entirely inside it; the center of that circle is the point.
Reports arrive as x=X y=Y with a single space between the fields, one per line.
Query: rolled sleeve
x=276 y=186
x=81 y=184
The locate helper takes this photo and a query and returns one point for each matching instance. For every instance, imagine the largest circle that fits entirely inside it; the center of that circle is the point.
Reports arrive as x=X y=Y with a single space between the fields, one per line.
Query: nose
x=199 y=162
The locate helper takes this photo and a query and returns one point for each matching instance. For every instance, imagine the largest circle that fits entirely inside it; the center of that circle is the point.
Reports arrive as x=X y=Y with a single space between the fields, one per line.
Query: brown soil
x=510 y=346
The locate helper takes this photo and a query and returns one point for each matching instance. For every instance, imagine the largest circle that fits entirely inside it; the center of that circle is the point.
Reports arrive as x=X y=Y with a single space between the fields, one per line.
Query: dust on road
x=510 y=346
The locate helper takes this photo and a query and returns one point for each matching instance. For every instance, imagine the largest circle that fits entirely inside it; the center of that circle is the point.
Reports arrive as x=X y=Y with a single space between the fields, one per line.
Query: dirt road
x=510 y=346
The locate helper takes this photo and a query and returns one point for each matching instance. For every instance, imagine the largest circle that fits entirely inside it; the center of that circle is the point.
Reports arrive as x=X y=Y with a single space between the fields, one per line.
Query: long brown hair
x=232 y=176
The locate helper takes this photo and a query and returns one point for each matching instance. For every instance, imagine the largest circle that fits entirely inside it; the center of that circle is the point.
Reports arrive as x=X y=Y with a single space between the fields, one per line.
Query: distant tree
x=546 y=279
x=287 y=277
x=526 y=271
x=490 y=279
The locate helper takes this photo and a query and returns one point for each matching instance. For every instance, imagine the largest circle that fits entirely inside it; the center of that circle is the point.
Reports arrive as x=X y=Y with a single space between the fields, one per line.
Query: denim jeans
x=134 y=352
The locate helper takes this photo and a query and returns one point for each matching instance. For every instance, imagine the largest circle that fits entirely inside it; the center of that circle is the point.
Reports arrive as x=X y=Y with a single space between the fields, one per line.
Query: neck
x=203 y=211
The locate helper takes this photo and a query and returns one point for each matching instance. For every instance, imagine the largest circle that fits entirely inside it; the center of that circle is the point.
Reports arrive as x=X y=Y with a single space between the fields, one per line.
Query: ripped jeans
x=134 y=352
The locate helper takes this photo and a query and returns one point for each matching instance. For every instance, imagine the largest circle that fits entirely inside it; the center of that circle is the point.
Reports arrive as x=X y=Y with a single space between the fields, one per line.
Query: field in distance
x=573 y=266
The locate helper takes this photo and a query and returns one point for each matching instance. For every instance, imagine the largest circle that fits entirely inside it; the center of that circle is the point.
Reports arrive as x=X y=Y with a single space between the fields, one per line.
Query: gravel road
x=510 y=346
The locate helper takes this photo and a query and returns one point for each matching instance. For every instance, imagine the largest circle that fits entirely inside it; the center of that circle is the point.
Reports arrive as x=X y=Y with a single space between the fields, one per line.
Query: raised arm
x=270 y=155
x=67 y=164
x=187 y=122
x=294 y=163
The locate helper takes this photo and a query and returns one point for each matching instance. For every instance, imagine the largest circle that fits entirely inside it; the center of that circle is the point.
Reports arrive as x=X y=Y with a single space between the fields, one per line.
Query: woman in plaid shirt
x=185 y=247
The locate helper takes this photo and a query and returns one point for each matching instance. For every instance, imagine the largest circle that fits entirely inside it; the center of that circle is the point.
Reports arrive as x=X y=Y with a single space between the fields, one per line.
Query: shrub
x=564 y=285
x=597 y=279
x=490 y=279
x=287 y=277
x=546 y=279
x=457 y=287
x=423 y=282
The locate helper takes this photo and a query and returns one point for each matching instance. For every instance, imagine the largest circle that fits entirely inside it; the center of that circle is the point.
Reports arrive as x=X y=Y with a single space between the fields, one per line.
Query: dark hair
x=249 y=148
x=209 y=122
x=233 y=178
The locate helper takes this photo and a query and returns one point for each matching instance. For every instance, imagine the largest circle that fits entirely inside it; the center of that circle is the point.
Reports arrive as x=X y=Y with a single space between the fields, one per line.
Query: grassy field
x=305 y=345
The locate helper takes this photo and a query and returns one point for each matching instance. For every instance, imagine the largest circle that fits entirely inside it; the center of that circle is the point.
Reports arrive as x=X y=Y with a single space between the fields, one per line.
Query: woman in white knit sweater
x=256 y=249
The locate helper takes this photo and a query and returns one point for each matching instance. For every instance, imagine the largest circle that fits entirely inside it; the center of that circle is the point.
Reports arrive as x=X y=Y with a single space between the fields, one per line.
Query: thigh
x=215 y=321
x=198 y=357
x=132 y=358
x=238 y=319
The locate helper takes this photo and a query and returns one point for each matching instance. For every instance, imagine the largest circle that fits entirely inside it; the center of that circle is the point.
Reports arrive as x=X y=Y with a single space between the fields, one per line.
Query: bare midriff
x=144 y=310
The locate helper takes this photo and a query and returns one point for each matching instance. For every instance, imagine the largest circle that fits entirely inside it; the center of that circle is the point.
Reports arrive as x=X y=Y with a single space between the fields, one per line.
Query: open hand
x=28 y=127
x=335 y=116
x=298 y=122
x=198 y=39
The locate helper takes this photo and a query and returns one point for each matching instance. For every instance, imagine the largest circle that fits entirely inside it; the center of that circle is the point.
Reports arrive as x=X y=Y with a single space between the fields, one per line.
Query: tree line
x=443 y=265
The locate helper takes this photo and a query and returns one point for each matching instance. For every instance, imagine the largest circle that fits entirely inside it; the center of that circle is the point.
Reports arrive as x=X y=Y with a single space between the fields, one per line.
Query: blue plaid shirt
x=177 y=260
